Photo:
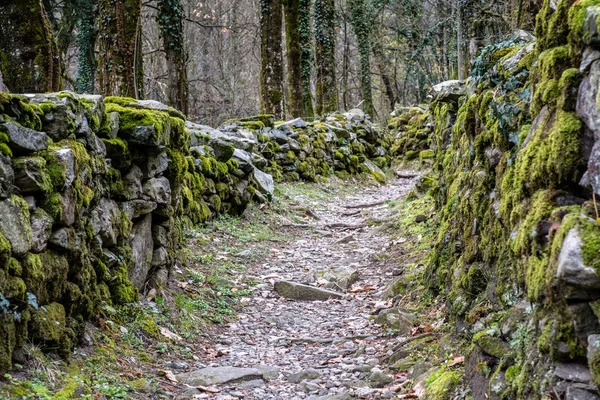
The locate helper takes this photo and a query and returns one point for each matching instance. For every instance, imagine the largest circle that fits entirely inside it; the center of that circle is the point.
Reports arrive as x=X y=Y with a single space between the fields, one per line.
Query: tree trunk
x=294 y=57
x=170 y=20
x=120 y=71
x=86 y=39
x=460 y=46
x=381 y=65
x=29 y=58
x=271 y=76
x=360 y=22
x=305 y=56
x=326 y=93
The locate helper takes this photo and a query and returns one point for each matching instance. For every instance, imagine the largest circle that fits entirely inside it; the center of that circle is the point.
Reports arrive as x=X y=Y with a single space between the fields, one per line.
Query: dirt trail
x=316 y=349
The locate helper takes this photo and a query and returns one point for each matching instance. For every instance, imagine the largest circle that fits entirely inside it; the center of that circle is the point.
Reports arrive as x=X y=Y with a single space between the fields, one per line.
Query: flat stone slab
x=298 y=291
x=218 y=375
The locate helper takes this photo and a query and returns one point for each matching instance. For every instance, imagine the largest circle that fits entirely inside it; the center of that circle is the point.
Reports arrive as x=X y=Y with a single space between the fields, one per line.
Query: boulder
x=160 y=235
x=158 y=190
x=7 y=176
x=298 y=291
x=105 y=220
x=31 y=175
x=449 y=91
x=155 y=164
x=160 y=257
x=41 y=228
x=15 y=225
x=573 y=372
x=24 y=140
x=582 y=279
x=142 y=247
x=218 y=375
x=264 y=182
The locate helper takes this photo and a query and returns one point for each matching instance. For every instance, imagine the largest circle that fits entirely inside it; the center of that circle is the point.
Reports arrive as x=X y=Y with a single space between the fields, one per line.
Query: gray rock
x=24 y=140
x=95 y=145
x=307 y=374
x=296 y=123
x=109 y=258
x=449 y=90
x=493 y=155
x=572 y=270
x=160 y=235
x=66 y=158
x=113 y=124
x=374 y=170
x=62 y=119
x=142 y=247
x=156 y=164
x=30 y=202
x=574 y=393
x=587 y=106
x=31 y=175
x=41 y=228
x=202 y=134
x=342 y=277
x=244 y=160
x=378 y=379
x=395 y=319
x=278 y=136
x=7 y=177
x=218 y=375
x=105 y=220
x=269 y=372
x=136 y=208
x=511 y=64
x=264 y=182
x=590 y=31
x=252 y=384
x=15 y=225
x=133 y=182
x=160 y=257
x=298 y=291
x=65 y=239
x=158 y=190
x=573 y=372
x=593 y=353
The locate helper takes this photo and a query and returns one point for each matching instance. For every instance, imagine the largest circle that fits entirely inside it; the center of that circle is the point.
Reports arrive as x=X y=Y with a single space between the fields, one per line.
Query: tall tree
x=86 y=39
x=305 y=40
x=294 y=56
x=29 y=58
x=326 y=90
x=271 y=74
x=361 y=23
x=120 y=71
x=170 y=20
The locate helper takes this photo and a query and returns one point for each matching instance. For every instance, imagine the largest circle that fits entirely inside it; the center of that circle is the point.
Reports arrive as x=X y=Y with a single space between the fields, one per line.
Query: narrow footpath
x=281 y=348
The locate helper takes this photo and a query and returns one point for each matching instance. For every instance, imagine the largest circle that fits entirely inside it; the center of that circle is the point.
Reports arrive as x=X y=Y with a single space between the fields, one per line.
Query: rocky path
x=281 y=348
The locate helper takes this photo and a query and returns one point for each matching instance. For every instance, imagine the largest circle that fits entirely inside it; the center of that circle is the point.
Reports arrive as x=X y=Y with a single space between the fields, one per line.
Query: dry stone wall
x=515 y=180
x=94 y=192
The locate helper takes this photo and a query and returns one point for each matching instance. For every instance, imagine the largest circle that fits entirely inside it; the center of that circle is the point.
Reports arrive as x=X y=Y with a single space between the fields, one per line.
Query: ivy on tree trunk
x=120 y=71
x=86 y=39
x=29 y=58
x=170 y=20
x=305 y=36
x=294 y=57
x=271 y=73
x=360 y=21
x=326 y=90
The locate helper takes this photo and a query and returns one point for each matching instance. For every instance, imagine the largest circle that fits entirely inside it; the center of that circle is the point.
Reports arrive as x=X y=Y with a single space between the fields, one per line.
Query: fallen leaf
x=363 y=289
x=169 y=375
x=457 y=360
x=209 y=389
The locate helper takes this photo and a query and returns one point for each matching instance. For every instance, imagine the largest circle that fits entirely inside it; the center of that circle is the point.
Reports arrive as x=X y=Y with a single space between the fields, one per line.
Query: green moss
x=122 y=101
x=491 y=345
x=441 y=386
x=157 y=125
x=37 y=171
x=121 y=289
x=118 y=151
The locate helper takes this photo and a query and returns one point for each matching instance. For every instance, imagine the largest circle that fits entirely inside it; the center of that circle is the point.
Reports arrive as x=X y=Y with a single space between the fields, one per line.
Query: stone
x=7 y=176
x=449 y=90
x=278 y=136
x=66 y=239
x=269 y=372
x=493 y=154
x=66 y=158
x=573 y=372
x=375 y=171
x=264 y=182
x=62 y=119
x=136 y=208
x=105 y=220
x=113 y=124
x=511 y=64
x=572 y=271
x=24 y=140
x=307 y=374
x=590 y=31
x=31 y=175
x=133 y=182
x=15 y=224
x=593 y=355
x=160 y=257
x=158 y=190
x=155 y=164
x=160 y=235
x=378 y=379
x=218 y=375
x=491 y=345
x=41 y=228
x=298 y=291
x=142 y=247
x=587 y=106
x=395 y=319
x=30 y=202
x=202 y=134
x=574 y=393
x=109 y=258
x=244 y=160
x=342 y=277
x=420 y=218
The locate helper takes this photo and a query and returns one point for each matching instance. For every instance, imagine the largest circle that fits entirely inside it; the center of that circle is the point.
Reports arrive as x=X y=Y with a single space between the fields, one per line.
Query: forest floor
x=223 y=332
